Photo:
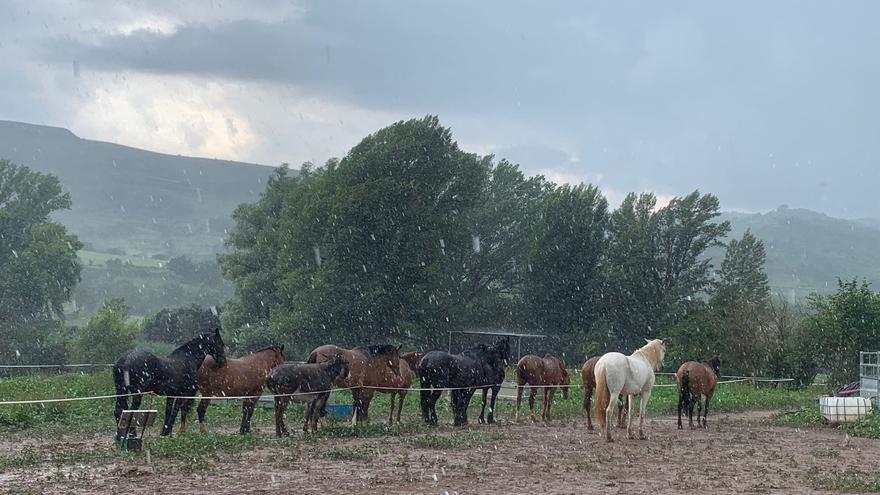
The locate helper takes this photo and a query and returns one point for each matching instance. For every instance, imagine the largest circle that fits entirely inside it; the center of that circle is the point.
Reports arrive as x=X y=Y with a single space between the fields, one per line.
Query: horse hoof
x=589 y=427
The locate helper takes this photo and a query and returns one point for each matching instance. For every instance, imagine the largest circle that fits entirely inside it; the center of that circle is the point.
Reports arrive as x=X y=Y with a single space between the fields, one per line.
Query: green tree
x=176 y=325
x=564 y=289
x=741 y=297
x=37 y=259
x=107 y=335
x=656 y=271
x=841 y=325
x=742 y=280
x=403 y=238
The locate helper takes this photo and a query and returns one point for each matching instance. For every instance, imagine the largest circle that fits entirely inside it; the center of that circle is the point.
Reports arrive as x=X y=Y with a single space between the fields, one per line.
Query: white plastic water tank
x=844 y=409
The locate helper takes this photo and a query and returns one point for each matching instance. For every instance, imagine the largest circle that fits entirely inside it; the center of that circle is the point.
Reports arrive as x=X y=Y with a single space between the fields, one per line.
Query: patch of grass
x=27 y=457
x=865 y=427
x=853 y=480
x=355 y=453
x=197 y=448
x=803 y=417
x=459 y=440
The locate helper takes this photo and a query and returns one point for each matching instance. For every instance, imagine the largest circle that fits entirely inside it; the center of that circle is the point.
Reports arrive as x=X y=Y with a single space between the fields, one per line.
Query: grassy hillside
x=136 y=201
x=808 y=251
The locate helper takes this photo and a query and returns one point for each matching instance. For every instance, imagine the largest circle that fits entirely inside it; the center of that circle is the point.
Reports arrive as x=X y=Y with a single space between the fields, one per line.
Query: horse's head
x=278 y=355
x=501 y=350
x=339 y=366
x=715 y=364
x=566 y=381
x=213 y=345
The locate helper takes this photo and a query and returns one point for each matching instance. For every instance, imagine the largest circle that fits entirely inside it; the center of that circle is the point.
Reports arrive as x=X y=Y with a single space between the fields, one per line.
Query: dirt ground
x=742 y=453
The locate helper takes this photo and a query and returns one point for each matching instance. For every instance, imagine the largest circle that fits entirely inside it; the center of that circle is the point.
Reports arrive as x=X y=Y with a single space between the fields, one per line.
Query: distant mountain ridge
x=808 y=251
x=146 y=203
x=137 y=201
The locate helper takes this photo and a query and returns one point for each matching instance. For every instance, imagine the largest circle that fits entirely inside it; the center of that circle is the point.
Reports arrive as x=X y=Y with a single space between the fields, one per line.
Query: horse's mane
x=186 y=346
x=652 y=352
x=377 y=350
x=274 y=348
x=715 y=365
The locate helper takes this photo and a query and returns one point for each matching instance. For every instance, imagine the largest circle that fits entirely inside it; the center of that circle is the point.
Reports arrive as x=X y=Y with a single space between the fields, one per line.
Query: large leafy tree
x=564 y=282
x=741 y=298
x=405 y=237
x=38 y=260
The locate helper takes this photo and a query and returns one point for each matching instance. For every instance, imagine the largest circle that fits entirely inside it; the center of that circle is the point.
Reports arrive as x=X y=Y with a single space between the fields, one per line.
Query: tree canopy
x=37 y=259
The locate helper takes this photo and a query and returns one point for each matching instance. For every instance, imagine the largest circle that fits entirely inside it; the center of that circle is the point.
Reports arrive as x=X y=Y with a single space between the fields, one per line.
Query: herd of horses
x=200 y=365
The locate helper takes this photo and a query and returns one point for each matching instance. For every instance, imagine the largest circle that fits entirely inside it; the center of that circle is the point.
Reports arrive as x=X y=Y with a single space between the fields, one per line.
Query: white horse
x=631 y=375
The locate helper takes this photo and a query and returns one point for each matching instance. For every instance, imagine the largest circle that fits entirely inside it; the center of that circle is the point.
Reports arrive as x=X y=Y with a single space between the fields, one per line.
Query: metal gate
x=869 y=376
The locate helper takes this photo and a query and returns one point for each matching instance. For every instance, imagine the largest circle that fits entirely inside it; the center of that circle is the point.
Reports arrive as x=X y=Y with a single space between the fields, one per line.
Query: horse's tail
x=684 y=388
x=603 y=395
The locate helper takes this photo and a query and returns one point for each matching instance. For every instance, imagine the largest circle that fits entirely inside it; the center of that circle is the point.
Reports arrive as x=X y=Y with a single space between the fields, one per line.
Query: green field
x=92 y=258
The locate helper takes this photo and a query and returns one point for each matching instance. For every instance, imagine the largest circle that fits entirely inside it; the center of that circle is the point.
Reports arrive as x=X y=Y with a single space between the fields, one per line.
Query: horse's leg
x=533 y=392
x=519 y=394
x=185 y=404
x=681 y=403
x=280 y=406
x=391 y=404
x=691 y=411
x=424 y=402
x=643 y=405
x=320 y=402
x=630 y=400
x=307 y=415
x=495 y=391
x=706 y=411
x=366 y=398
x=622 y=407
x=482 y=418
x=548 y=401
x=201 y=410
x=457 y=406
x=401 y=396
x=247 y=408
x=699 y=408
x=168 y=422
x=588 y=399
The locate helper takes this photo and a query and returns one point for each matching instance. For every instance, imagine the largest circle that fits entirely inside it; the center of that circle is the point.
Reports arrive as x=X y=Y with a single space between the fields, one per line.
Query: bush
x=107 y=335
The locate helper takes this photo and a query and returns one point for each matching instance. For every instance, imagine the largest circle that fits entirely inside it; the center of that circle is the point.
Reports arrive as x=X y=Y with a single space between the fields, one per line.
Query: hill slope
x=137 y=201
x=809 y=251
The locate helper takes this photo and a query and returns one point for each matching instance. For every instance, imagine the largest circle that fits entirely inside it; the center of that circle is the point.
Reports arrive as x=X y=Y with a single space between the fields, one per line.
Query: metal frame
x=869 y=375
x=518 y=336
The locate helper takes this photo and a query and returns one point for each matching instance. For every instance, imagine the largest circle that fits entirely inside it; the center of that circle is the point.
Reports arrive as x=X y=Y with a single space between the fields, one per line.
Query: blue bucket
x=338 y=409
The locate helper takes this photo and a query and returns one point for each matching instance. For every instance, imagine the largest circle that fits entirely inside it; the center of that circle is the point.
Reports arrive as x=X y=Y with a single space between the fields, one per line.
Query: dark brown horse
x=309 y=383
x=412 y=359
x=695 y=381
x=369 y=366
x=545 y=373
x=244 y=376
x=588 y=378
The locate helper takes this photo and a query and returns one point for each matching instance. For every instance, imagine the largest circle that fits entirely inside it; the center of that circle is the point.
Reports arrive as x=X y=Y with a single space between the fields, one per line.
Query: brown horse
x=696 y=380
x=412 y=359
x=588 y=378
x=545 y=373
x=244 y=376
x=397 y=384
x=369 y=366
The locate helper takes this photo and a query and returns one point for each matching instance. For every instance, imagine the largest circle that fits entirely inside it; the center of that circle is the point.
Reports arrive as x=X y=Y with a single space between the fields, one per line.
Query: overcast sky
x=762 y=103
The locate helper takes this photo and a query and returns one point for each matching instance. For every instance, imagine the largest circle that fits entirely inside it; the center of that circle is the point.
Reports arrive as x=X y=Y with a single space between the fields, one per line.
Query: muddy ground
x=740 y=453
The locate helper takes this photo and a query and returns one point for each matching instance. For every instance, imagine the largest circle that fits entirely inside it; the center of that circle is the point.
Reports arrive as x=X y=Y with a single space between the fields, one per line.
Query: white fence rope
x=294 y=394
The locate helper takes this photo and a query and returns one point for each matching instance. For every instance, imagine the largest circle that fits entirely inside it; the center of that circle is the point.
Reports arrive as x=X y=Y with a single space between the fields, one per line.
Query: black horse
x=175 y=375
x=481 y=367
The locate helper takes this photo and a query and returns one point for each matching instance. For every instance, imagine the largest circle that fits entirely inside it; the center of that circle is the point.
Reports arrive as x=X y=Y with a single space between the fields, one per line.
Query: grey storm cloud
x=762 y=103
